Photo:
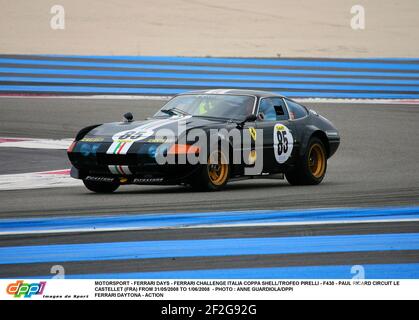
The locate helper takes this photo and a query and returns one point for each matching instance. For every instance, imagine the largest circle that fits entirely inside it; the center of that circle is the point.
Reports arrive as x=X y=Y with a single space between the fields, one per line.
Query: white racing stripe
x=113 y=169
x=38 y=180
x=218 y=91
x=126 y=147
x=122 y=146
x=120 y=170
x=209 y=226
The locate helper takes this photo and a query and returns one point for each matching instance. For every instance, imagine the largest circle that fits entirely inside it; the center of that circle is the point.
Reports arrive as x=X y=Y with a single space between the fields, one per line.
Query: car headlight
x=152 y=150
x=87 y=149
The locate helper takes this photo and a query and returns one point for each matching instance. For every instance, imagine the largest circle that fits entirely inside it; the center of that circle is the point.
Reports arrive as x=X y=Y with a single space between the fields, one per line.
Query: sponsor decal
x=99 y=179
x=20 y=289
x=283 y=143
x=161 y=141
x=93 y=139
x=148 y=180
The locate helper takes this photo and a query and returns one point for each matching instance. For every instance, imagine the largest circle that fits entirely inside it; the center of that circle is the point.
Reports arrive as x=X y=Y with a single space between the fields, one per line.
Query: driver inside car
x=205 y=106
x=266 y=110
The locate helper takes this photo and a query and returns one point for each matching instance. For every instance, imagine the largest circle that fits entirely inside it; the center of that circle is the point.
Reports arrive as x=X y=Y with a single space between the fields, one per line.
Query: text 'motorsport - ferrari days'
x=204 y=139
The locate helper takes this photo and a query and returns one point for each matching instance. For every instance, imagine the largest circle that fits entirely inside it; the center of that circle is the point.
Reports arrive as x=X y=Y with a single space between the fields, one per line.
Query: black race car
x=205 y=139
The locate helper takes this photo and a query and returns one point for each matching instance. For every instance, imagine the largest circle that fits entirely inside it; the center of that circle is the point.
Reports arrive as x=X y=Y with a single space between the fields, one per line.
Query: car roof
x=259 y=94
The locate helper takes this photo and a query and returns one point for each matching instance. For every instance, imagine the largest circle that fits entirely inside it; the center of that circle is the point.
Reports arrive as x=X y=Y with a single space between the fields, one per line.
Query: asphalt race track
x=376 y=166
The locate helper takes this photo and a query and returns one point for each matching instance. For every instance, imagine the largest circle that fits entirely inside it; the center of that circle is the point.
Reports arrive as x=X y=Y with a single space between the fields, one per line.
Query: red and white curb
x=38 y=180
x=30 y=143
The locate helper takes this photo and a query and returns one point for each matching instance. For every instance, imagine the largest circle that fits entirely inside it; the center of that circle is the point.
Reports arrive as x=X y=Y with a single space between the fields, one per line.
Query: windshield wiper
x=215 y=118
x=175 y=111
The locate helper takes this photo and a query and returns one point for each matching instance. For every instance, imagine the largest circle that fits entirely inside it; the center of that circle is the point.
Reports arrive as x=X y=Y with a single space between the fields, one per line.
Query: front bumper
x=138 y=166
x=147 y=178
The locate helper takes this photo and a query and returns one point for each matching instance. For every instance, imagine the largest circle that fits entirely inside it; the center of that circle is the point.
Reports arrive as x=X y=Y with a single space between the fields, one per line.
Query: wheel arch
x=83 y=132
x=323 y=138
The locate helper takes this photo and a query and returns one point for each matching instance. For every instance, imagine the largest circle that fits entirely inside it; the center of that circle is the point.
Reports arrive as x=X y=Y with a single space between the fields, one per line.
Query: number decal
x=133 y=135
x=126 y=135
x=283 y=143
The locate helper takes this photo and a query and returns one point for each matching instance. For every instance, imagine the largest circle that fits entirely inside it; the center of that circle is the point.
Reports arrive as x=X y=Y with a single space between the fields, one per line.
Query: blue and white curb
x=207 y=220
x=166 y=76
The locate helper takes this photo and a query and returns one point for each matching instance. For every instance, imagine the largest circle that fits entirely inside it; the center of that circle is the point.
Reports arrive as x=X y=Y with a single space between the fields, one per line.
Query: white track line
x=302 y=100
x=38 y=180
x=31 y=143
x=210 y=226
x=90 y=97
x=413 y=102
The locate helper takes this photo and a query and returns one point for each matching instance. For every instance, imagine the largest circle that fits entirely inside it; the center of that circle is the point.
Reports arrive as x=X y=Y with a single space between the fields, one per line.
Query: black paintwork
x=145 y=169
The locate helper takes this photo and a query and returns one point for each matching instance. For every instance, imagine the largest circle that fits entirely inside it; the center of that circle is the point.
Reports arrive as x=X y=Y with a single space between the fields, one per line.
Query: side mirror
x=128 y=117
x=249 y=118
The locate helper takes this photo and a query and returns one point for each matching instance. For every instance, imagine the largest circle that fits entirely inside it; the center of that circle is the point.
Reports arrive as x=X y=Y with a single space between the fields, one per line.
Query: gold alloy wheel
x=317 y=160
x=217 y=168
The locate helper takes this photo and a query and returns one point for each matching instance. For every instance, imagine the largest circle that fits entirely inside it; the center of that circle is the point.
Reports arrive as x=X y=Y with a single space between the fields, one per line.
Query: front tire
x=312 y=166
x=101 y=187
x=213 y=175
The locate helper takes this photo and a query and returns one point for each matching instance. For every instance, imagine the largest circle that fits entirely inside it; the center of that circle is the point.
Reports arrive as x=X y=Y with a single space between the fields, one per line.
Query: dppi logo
x=27 y=290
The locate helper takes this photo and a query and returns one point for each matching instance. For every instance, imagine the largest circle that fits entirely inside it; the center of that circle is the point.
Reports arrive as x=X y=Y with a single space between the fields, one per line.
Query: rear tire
x=312 y=166
x=101 y=187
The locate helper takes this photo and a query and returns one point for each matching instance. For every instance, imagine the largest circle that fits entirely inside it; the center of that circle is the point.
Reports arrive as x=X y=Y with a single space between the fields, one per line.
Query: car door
x=278 y=133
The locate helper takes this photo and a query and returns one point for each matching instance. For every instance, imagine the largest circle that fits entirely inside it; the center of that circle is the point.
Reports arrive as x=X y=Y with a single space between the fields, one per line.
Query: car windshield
x=210 y=105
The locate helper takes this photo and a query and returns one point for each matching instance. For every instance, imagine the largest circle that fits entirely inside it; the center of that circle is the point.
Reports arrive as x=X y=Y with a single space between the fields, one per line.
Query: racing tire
x=312 y=166
x=212 y=176
x=101 y=187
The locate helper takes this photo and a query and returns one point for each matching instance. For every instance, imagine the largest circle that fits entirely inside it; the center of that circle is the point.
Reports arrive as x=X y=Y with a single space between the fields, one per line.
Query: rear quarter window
x=296 y=111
